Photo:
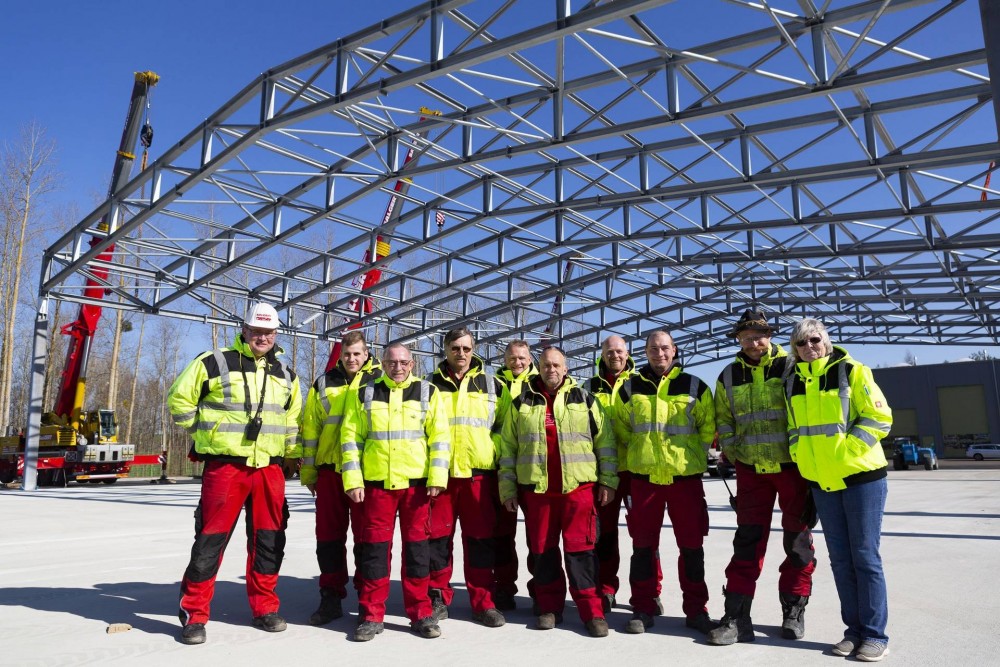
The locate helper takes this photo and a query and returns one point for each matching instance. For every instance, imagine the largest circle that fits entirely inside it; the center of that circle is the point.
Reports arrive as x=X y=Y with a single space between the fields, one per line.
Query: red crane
x=363 y=304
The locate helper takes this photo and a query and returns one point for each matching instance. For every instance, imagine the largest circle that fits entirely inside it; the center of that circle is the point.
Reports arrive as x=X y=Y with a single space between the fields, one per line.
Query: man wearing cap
x=241 y=406
x=752 y=421
x=518 y=367
x=321 y=469
x=614 y=366
x=666 y=420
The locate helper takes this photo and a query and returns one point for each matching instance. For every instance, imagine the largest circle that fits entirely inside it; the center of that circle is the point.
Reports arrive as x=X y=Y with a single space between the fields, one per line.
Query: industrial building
x=951 y=405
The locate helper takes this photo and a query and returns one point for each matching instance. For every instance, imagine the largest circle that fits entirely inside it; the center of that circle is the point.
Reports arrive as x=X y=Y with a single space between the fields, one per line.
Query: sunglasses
x=815 y=340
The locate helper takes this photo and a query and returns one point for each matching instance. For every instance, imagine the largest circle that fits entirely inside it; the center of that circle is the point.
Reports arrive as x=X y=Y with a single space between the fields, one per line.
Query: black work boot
x=438 y=607
x=793 y=612
x=736 y=625
x=328 y=610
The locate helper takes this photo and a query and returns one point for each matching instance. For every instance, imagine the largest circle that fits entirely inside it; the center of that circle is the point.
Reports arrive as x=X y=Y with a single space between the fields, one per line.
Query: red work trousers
x=334 y=514
x=684 y=502
x=756 y=494
x=608 y=555
x=378 y=523
x=474 y=502
x=574 y=516
x=226 y=488
x=505 y=554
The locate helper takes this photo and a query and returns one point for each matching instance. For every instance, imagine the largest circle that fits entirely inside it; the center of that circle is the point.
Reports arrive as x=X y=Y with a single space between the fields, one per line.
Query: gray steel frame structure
x=823 y=158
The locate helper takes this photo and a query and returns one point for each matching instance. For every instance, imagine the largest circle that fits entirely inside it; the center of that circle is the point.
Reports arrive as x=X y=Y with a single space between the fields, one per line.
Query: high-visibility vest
x=586 y=444
x=395 y=434
x=666 y=424
x=475 y=408
x=750 y=412
x=209 y=399
x=837 y=417
x=323 y=416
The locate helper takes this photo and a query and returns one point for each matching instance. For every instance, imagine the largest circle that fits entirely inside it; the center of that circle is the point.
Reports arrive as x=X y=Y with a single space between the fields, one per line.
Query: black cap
x=752 y=319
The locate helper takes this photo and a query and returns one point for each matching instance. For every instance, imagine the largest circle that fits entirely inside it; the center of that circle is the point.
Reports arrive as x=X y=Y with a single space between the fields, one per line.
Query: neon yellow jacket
x=323 y=415
x=396 y=434
x=475 y=409
x=665 y=423
x=605 y=393
x=208 y=400
x=586 y=443
x=750 y=411
x=836 y=417
x=513 y=382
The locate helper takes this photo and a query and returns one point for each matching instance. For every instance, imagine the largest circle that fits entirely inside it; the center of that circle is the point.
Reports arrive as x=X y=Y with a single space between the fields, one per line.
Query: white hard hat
x=262 y=316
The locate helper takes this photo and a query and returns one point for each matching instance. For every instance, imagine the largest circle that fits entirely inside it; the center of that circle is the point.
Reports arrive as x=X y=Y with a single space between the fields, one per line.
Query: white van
x=980 y=452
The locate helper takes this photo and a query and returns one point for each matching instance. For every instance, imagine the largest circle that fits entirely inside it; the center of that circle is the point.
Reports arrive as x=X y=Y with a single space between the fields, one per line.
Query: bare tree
x=27 y=174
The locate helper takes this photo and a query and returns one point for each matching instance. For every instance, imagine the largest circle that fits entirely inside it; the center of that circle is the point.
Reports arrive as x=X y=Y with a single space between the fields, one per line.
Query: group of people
x=470 y=446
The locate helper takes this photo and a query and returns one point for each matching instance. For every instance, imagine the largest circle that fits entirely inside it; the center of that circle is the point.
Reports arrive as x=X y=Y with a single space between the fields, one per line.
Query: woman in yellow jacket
x=836 y=417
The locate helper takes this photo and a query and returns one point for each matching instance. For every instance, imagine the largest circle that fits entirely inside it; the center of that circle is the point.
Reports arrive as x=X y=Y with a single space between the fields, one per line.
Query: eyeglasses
x=393 y=362
x=261 y=333
x=746 y=340
x=814 y=340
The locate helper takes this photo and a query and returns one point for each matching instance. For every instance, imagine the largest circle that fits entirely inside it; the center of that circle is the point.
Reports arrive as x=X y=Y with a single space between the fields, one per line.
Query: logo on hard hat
x=264 y=315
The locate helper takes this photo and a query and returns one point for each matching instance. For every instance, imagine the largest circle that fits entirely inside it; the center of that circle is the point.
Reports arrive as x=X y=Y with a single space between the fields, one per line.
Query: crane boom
x=69 y=402
x=363 y=305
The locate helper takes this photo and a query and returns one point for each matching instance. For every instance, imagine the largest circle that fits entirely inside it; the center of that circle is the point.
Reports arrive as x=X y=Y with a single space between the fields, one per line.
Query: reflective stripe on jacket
x=605 y=393
x=208 y=400
x=836 y=417
x=750 y=411
x=396 y=434
x=665 y=423
x=475 y=408
x=324 y=414
x=586 y=444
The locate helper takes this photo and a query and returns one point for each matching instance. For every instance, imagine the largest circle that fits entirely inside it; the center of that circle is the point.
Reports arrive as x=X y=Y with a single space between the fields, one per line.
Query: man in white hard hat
x=241 y=406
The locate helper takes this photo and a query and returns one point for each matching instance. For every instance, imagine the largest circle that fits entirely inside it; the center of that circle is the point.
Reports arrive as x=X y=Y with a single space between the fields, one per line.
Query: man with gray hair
x=395 y=457
x=614 y=367
x=517 y=369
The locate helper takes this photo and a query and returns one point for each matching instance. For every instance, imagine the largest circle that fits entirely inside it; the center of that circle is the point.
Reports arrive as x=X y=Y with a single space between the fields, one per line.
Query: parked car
x=980 y=452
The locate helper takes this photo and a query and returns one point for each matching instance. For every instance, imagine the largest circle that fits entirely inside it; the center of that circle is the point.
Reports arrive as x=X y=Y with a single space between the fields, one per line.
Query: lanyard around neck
x=246 y=392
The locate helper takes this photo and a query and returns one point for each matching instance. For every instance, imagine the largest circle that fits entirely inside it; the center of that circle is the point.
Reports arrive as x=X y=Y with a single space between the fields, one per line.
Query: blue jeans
x=852 y=526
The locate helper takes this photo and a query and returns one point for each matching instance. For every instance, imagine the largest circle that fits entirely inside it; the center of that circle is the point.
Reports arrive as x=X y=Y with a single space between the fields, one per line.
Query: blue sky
x=69 y=65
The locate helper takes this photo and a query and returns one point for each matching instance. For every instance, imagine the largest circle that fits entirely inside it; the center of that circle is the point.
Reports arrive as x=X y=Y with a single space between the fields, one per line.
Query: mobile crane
x=74 y=444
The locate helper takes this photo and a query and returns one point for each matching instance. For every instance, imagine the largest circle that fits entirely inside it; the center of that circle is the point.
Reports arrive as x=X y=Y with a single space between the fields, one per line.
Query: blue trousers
x=852 y=525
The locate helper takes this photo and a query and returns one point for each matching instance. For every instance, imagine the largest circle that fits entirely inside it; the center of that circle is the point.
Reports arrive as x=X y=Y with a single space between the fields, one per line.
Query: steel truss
x=818 y=158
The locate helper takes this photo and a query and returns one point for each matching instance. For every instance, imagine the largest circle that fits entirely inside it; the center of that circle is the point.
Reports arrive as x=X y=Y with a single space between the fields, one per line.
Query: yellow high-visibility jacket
x=586 y=444
x=750 y=411
x=211 y=397
x=324 y=414
x=665 y=423
x=395 y=434
x=514 y=382
x=605 y=393
x=475 y=407
x=836 y=417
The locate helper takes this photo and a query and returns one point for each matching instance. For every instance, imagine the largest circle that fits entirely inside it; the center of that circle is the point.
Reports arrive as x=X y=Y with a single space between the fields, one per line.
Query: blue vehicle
x=907 y=452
